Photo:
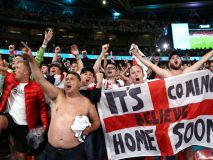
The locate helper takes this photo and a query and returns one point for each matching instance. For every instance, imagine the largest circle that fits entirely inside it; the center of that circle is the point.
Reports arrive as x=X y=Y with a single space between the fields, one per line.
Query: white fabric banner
x=158 y=118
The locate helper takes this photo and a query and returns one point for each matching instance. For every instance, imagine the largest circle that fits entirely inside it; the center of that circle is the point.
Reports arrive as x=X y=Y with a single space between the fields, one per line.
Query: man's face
x=175 y=62
x=54 y=70
x=206 y=65
x=44 y=69
x=110 y=71
x=11 y=47
x=211 y=63
x=84 y=54
x=86 y=78
x=156 y=59
x=19 y=71
x=211 y=66
x=136 y=75
x=68 y=64
x=72 y=83
x=15 y=60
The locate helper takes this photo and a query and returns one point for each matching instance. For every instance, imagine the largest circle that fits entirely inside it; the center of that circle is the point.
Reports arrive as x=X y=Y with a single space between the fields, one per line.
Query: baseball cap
x=57 y=64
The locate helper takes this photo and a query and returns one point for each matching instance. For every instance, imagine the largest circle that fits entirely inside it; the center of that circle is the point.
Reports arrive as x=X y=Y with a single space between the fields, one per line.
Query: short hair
x=26 y=65
x=138 y=66
x=173 y=53
x=20 y=55
x=85 y=69
x=75 y=74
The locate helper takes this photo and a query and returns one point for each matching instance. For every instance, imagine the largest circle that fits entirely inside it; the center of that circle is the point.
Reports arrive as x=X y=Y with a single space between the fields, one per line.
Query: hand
x=129 y=65
x=43 y=130
x=3 y=65
x=86 y=131
x=101 y=70
x=134 y=49
x=105 y=48
x=74 y=50
x=57 y=49
x=27 y=54
x=3 y=68
x=126 y=61
x=112 y=60
x=48 y=36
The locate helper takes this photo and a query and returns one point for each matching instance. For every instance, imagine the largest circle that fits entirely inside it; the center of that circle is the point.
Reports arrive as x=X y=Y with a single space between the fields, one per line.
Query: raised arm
x=125 y=78
x=95 y=94
x=56 y=53
x=105 y=59
x=2 y=74
x=74 y=50
x=40 y=53
x=199 y=63
x=97 y=64
x=161 y=72
x=51 y=91
x=11 y=50
x=3 y=66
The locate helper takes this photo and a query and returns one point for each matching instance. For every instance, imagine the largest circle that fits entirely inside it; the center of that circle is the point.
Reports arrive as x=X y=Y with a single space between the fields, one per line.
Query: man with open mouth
x=68 y=104
x=111 y=80
x=136 y=74
x=57 y=74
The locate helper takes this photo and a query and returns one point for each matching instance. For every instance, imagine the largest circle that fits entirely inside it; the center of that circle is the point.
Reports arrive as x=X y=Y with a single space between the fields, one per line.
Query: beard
x=175 y=67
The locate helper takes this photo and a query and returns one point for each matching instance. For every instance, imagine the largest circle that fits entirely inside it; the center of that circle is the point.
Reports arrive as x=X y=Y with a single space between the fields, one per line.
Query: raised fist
x=74 y=50
x=105 y=48
x=57 y=49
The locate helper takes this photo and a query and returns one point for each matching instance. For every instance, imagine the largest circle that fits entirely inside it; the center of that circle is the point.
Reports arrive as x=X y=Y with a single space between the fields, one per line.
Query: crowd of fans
x=116 y=51
x=44 y=99
x=97 y=25
x=135 y=26
x=64 y=82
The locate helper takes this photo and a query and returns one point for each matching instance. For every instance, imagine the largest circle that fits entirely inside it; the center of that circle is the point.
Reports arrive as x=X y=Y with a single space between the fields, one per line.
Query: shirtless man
x=68 y=104
x=174 y=64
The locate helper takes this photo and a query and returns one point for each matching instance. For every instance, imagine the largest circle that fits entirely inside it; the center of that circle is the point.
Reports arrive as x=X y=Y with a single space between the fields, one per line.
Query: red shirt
x=34 y=100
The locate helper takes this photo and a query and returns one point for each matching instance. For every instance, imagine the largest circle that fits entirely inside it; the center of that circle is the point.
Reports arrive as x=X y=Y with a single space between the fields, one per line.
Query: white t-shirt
x=106 y=84
x=58 y=81
x=16 y=104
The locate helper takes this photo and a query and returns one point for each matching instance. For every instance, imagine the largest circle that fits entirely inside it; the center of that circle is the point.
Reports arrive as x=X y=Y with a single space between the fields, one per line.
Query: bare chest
x=69 y=109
